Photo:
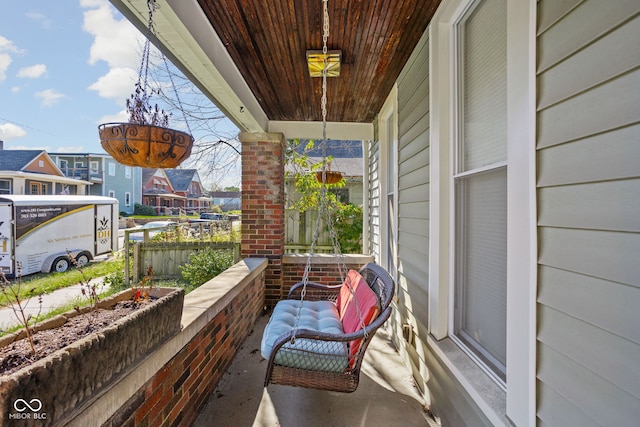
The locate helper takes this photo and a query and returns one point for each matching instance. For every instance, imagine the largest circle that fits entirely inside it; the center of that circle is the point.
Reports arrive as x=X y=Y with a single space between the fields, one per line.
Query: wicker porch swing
x=317 y=337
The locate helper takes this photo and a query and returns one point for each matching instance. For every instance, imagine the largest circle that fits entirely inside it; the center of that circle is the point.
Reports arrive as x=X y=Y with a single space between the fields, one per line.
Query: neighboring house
x=502 y=185
x=108 y=177
x=158 y=192
x=227 y=200
x=34 y=172
x=347 y=159
x=187 y=183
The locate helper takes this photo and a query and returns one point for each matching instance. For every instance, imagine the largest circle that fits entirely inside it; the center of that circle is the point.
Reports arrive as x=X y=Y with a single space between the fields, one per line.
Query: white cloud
x=116 y=41
x=7 y=45
x=9 y=131
x=6 y=49
x=49 y=97
x=5 y=61
x=121 y=116
x=16 y=89
x=117 y=84
x=70 y=149
x=28 y=147
x=44 y=22
x=32 y=72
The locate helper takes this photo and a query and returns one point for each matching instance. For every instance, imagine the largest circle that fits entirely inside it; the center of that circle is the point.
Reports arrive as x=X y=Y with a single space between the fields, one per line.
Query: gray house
x=107 y=176
x=502 y=180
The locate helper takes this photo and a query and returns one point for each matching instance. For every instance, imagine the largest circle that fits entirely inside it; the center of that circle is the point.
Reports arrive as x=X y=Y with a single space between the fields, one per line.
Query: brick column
x=263 y=219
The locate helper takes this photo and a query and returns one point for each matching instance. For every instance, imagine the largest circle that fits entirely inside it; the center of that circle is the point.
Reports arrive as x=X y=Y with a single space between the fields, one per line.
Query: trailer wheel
x=60 y=264
x=83 y=259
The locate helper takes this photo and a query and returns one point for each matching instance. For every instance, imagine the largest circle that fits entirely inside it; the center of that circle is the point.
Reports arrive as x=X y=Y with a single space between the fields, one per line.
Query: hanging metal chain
x=323 y=209
x=323 y=103
x=143 y=72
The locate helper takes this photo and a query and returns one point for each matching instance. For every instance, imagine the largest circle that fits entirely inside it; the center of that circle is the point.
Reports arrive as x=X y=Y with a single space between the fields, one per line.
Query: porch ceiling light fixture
x=315 y=61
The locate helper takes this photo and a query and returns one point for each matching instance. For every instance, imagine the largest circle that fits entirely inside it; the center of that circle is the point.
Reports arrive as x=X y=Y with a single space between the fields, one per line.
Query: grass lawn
x=44 y=283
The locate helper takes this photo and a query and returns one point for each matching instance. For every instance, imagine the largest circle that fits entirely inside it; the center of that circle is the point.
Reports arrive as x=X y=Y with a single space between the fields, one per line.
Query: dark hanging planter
x=146 y=140
x=145 y=145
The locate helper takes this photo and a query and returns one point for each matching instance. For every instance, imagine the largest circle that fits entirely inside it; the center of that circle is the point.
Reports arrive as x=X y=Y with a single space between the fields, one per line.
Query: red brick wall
x=263 y=218
x=176 y=394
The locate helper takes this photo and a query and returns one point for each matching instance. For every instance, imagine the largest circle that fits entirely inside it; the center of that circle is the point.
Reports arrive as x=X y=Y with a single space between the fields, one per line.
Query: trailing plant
x=205 y=265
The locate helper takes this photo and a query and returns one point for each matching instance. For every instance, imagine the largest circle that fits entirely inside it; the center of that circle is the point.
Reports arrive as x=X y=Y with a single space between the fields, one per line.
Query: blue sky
x=65 y=67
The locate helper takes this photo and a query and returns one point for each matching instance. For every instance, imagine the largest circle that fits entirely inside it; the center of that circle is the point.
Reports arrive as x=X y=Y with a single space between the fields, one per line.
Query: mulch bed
x=19 y=354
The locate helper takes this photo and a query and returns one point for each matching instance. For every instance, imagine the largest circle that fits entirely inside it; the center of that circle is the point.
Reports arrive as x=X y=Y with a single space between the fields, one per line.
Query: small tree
x=307 y=192
x=307 y=195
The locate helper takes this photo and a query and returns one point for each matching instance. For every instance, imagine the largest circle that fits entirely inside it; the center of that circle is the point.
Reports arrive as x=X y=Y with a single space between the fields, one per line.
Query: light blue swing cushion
x=326 y=356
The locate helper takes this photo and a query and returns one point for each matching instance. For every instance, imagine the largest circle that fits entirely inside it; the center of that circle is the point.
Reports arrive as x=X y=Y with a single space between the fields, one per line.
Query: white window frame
x=521 y=205
x=112 y=169
x=388 y=118
x=127 y=199
x=112 y=194
x=10 y=186
x=127 y=171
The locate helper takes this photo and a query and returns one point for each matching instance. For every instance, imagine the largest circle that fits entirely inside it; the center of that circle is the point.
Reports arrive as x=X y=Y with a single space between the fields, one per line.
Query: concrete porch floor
x=386 y=395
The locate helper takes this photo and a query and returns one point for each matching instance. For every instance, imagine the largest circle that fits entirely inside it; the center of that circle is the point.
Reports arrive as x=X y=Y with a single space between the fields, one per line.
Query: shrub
x=143 y=210
x=206 y=265
x=115 y=281
x=348 y=227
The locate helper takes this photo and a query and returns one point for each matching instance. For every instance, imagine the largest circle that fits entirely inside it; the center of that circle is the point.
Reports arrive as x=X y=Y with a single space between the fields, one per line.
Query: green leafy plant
x=308 y=191
x=145 y=210
x=205 y=265
x=348 y=227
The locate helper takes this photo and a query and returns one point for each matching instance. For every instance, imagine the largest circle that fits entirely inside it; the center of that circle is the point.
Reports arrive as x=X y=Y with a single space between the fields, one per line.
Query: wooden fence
x=166 y=257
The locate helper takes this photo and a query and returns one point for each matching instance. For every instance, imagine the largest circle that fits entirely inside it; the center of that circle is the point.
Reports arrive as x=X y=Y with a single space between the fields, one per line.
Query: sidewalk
x=50 y=302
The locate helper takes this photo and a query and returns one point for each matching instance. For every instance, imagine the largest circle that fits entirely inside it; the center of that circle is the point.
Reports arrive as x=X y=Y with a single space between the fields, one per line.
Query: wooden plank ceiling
x=268 y=41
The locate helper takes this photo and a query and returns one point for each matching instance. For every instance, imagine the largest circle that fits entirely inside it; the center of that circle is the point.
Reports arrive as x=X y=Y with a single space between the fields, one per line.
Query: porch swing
x=317 y=337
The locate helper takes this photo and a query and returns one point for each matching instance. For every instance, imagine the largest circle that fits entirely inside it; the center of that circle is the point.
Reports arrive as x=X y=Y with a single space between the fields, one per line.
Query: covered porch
x=386 y=395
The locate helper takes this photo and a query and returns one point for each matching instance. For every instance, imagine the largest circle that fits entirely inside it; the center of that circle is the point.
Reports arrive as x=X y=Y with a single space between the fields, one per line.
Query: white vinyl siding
x=588 y=80
x=466 y=388
x=413 y=205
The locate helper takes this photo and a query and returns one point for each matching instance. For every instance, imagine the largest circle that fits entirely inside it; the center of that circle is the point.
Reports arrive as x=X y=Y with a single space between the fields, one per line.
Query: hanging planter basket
x=329 y=178
x=145 y=145
x=146 y=140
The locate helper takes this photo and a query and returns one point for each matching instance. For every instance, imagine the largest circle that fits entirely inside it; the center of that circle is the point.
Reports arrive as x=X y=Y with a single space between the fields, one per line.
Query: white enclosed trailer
x=43 y=233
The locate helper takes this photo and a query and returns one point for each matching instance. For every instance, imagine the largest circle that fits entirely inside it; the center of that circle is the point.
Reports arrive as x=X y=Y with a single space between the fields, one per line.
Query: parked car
x=207 y=217
x=156 y=226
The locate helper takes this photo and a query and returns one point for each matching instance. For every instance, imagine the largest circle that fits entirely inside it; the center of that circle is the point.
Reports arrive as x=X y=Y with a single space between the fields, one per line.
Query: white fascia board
x=187 y=38
x=335 y=130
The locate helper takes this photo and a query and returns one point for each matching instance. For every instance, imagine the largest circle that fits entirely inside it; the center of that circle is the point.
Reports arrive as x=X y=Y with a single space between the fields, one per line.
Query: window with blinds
x=480 y=182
